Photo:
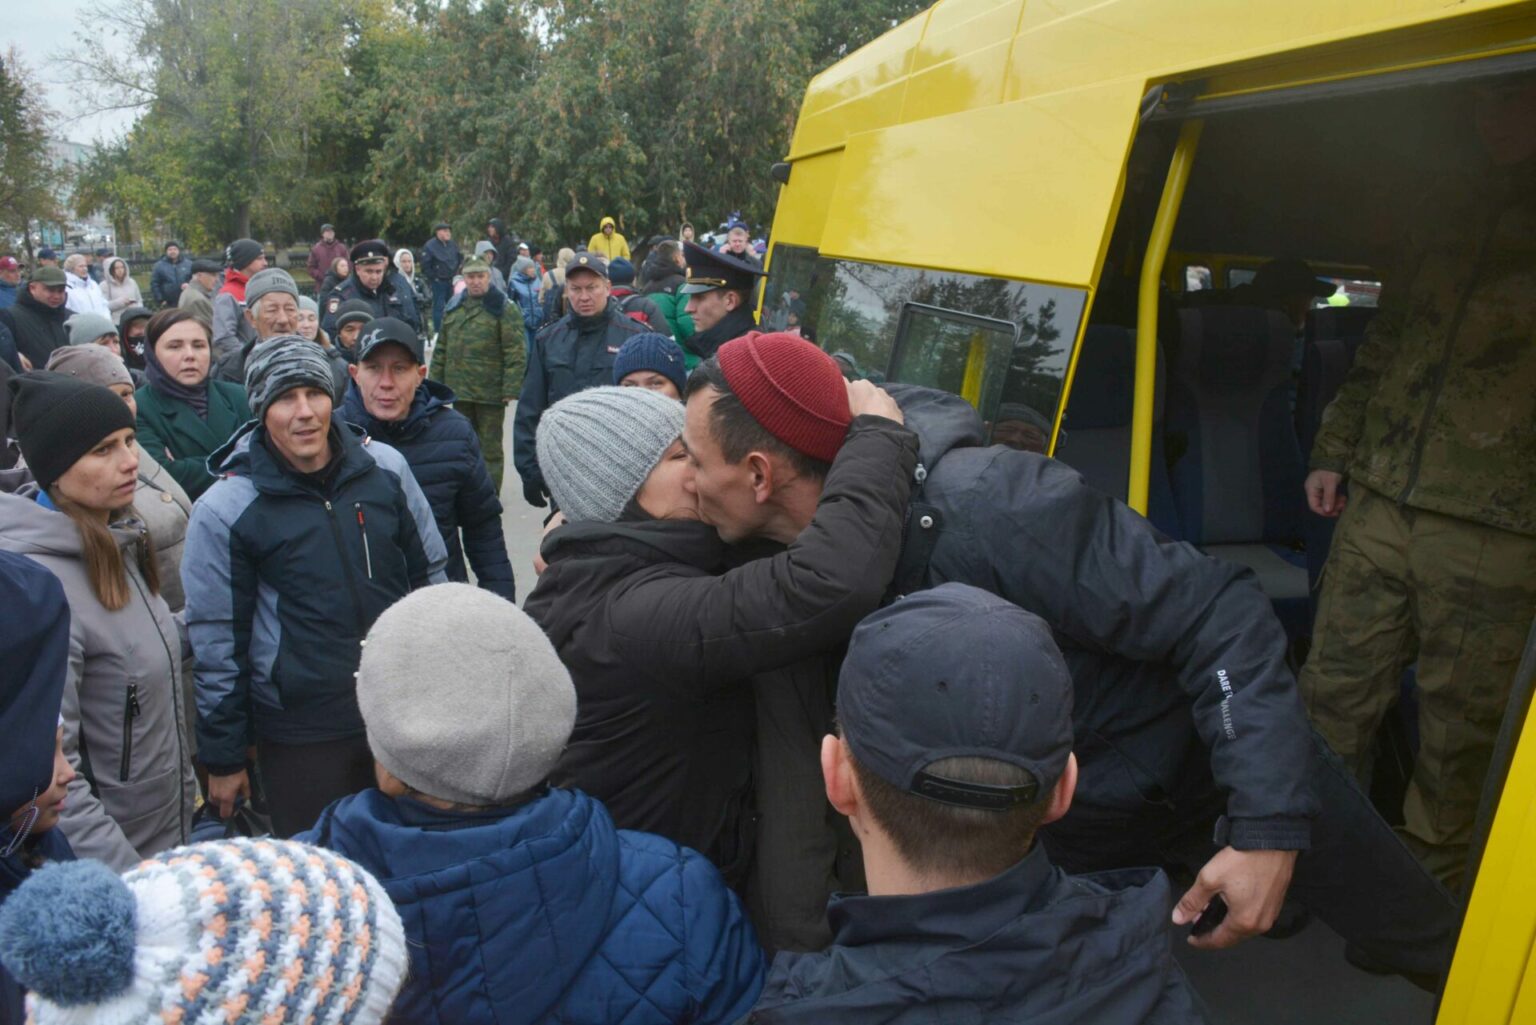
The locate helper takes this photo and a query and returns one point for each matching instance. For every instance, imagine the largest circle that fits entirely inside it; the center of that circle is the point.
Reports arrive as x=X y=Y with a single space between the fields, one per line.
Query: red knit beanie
x=792 y=388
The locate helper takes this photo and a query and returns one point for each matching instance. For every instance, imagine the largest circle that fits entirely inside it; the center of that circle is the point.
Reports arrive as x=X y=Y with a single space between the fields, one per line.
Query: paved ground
x=1262 y=982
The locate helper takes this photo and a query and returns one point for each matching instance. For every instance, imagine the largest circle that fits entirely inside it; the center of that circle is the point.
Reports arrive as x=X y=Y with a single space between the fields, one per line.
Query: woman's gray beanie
x=596 y=448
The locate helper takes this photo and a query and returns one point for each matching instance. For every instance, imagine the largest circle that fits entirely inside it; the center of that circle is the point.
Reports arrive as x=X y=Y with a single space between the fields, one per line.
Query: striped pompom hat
x=238 y=932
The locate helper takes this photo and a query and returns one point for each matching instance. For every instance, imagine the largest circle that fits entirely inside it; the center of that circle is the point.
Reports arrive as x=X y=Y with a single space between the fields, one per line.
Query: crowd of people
x=818 y=707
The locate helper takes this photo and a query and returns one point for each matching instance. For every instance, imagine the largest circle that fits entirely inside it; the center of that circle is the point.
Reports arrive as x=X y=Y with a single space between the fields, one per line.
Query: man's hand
x=865 y=399
x=1323 y=493
x=534 y=494
x=1253 y=883
x=223 y=791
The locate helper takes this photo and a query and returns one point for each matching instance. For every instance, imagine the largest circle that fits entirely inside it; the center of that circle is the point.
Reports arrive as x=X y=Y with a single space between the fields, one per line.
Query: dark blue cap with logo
x=388 y=331
x=957 y=672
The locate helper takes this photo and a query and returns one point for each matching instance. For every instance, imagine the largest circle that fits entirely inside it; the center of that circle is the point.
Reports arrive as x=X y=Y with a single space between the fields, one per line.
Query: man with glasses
x=36 y=319
x=570 y=355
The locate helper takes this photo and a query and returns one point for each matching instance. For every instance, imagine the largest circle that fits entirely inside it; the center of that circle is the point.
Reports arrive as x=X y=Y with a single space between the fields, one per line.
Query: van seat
x=1237 y=484
x=1096 y=431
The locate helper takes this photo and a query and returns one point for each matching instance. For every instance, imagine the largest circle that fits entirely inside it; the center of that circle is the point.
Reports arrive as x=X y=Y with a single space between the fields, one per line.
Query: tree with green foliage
x=27 y=177
x=234 y=97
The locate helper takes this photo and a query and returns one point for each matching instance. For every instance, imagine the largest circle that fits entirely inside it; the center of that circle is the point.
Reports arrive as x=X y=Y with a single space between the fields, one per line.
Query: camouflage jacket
x=481 y=355
x=1439 y=410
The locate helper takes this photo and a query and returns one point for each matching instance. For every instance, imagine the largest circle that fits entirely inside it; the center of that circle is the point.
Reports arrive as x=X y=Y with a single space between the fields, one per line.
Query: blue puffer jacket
x=166 y=279
x=547 y=913
x=283 y=579
x=444 y=453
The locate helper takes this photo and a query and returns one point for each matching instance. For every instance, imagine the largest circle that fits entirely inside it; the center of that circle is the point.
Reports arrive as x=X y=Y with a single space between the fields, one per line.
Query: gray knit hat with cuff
x=266 y=280
x=502 y=705
x=282 y=364
x=85 y=328
x=597 y=447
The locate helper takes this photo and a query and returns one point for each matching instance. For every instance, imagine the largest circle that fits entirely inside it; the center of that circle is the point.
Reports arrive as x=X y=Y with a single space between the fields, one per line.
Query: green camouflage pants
x=489 y=420
x=1404 y=585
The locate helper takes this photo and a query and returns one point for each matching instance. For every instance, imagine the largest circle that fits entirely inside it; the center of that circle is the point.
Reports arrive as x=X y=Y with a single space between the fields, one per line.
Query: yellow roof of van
x=990 y=136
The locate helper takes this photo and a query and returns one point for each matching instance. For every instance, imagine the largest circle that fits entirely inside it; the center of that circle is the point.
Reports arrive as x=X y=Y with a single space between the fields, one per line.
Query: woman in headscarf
x=183 y=416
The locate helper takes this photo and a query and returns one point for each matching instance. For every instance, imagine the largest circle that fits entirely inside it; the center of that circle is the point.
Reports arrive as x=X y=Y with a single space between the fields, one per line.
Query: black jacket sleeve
x=714 y=631
x=525 y=424
x=1033 y=532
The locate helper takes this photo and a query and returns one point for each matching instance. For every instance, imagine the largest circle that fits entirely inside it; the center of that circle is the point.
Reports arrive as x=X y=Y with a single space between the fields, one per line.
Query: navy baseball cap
x=957 y=672
x=389 y=331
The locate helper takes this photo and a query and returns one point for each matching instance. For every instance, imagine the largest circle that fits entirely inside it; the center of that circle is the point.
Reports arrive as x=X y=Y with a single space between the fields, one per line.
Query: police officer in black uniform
x=721 y=290
x=375 y=281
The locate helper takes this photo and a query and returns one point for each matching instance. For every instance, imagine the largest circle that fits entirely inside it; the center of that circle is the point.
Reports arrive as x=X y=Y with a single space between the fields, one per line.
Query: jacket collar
x=733 y=325
x=958 y=916
x=430 y=397
x=246 y=455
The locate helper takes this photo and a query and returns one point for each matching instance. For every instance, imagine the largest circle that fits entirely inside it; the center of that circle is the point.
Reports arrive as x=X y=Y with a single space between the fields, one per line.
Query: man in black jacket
x=506 y=249
x=440 y=259
x=372 y=281
x=1171 y=651
x=719 y=296
x=953 y=747
x=390 y=397
x=574 y=353
x=36 y=318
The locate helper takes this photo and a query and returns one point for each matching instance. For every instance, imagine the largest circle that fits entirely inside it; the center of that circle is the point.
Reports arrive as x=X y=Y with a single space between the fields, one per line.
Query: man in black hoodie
x=1173 y=653
x=36 y=319
x=506 y=249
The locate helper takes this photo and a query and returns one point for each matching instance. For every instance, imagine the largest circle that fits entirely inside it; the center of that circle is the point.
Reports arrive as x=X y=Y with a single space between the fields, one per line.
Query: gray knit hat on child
x=596 y=448
x=501 y=708
x=282 y=364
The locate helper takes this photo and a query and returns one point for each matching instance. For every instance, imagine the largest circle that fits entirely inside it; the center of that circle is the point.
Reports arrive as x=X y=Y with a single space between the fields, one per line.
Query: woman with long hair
x=184 y=415
x=72 y=511
x=118 y=286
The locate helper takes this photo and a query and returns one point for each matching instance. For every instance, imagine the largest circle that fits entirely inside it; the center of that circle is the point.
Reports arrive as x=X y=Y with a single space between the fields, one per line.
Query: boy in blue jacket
x=521 y=902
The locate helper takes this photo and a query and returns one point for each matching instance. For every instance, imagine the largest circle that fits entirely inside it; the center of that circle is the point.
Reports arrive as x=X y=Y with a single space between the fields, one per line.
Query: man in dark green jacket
x=481 y=355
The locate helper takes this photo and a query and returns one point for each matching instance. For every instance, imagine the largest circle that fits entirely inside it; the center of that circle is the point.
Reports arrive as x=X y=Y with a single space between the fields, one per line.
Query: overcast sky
x=41 y=29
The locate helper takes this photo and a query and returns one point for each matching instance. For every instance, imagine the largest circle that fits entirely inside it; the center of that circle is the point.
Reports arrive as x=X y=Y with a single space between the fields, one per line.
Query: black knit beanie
x=57 y=419
x=241 y=253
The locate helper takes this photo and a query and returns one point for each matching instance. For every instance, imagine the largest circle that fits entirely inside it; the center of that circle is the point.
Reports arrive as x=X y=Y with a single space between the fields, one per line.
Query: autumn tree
x=27 y=179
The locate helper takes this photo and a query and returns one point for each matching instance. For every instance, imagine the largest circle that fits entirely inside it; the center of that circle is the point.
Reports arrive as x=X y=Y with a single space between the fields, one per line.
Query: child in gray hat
x=521 y=901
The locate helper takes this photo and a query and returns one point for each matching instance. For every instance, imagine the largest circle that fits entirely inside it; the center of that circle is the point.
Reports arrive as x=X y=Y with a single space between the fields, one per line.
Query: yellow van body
x=992 y=138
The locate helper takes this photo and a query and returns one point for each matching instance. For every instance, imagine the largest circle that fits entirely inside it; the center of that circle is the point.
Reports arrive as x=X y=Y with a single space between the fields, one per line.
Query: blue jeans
x=441 y=290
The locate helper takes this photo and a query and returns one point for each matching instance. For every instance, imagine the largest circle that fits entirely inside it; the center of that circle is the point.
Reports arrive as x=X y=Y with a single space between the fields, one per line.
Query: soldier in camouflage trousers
x=1434 y=560
x=481 y=354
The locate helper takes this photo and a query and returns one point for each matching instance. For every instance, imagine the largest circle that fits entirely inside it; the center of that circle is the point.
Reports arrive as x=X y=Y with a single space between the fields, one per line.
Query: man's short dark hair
x=945 y=840
x=737 y=432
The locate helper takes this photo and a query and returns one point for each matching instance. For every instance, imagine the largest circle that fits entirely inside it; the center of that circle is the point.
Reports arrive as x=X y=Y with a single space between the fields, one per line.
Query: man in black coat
x=440 y=260
x=391 y=398
x=1173 y=652
x=169 y=277
x=36 y=319
x=718 y=292
x=953 y=747
x=574 y=353
x=373 y=281
x=506 y=249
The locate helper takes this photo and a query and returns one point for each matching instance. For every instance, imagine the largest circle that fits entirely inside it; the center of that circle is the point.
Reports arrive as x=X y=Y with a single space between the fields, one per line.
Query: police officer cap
x=369 y=252
x=389 y=331
x=708 y=270
x=588 y=261
x=957 y=672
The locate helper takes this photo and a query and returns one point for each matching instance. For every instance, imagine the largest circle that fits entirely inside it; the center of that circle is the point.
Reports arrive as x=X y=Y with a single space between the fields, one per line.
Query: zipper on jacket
x=362 y=528
x=346 y=568
x=1450 y=345
x=131 y=711
x=172 y=658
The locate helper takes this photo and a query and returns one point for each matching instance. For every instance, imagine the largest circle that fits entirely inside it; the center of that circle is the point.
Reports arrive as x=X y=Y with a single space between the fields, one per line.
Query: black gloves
x=535 y=494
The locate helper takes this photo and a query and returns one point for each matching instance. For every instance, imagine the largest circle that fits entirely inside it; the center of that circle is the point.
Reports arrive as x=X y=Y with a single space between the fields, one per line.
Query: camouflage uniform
x=481 y=355
x=1434 y=559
